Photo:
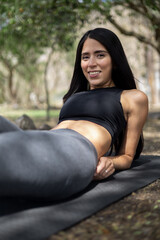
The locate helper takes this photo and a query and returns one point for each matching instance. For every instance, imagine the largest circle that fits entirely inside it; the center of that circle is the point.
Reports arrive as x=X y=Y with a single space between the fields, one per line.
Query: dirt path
x=136 y=217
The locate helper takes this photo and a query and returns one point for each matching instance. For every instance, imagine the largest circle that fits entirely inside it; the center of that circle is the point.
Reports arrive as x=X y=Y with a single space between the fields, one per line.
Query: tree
x=139 y=19
x=146 y=12
x=35 y=25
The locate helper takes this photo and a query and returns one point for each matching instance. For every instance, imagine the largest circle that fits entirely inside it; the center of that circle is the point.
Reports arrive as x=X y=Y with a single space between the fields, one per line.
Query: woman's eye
x=85 y=57
x=100 y=55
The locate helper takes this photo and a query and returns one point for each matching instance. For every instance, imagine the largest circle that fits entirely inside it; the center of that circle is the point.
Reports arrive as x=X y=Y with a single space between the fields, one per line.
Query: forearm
x=121 y=162
x=107 y=165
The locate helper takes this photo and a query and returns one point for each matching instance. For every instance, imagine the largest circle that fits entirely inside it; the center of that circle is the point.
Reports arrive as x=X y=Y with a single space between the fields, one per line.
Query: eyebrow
x=98 y=51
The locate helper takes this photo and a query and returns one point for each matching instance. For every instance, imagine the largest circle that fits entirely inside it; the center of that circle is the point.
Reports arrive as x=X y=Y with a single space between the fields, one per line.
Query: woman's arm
x=135 y=105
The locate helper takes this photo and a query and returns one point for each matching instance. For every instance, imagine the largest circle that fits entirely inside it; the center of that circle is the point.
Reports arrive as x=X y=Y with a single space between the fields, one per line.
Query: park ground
x=135 y=217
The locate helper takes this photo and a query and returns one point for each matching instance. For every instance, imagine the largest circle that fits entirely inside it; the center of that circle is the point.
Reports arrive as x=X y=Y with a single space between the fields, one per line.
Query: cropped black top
x=101 y=106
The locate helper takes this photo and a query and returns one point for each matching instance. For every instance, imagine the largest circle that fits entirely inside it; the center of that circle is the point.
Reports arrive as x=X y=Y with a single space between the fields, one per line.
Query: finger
x=108 y=166
x=104 y=175
x=100 y=167
x=107 y=172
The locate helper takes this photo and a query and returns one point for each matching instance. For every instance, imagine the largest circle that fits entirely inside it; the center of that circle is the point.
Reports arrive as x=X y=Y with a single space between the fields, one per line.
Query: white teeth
x=92 y=73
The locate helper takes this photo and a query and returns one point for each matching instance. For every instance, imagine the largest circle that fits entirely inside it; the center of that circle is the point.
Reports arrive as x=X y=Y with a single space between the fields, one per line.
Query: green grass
x=13 y=114
x=38 y=116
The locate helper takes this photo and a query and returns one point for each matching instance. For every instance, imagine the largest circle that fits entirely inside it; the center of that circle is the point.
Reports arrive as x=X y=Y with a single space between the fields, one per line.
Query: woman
x=102 y=109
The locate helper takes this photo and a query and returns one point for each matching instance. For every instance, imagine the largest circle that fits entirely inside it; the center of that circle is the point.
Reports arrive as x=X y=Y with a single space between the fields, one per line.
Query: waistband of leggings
x=78 y=134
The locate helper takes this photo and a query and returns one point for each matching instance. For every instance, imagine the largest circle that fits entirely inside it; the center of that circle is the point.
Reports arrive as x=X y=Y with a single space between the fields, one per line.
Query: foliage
x=146 y=10
x=40 y=23
x=28 y=27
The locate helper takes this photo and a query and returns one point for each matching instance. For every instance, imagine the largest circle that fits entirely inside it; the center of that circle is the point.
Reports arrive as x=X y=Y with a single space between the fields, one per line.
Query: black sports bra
x=100 y=105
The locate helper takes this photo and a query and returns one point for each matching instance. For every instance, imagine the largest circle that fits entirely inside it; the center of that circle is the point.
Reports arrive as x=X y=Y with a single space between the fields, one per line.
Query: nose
x=92 y=62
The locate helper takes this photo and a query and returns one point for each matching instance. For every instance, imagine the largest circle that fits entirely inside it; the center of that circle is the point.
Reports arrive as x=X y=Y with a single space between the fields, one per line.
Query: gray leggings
x=44 y=164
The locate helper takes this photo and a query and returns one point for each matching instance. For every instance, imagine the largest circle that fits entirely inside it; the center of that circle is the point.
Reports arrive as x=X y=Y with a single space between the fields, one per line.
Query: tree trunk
x=10 y=69
x=150 y=73
x=10 y=83
x=46 y=85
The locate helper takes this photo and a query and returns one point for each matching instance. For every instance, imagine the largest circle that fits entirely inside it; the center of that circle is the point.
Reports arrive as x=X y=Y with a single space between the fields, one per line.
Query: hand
x=104 y=169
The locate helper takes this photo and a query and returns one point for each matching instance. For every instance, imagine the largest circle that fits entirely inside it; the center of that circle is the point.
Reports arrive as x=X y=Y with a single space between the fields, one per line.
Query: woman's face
x=96 y=64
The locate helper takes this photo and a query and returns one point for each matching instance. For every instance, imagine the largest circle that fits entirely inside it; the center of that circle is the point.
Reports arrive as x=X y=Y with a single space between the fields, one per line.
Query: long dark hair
x=122 y=75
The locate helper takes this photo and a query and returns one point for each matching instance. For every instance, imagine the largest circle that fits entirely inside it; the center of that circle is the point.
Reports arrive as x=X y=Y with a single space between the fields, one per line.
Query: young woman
x=102 y=109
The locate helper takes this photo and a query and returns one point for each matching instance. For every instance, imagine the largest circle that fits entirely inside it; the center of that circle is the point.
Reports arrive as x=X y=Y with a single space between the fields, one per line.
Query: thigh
x=47 y=164
x=7 y=126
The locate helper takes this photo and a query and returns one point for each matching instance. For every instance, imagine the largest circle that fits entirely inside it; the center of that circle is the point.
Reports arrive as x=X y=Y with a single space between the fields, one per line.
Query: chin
x=99 y=85
x=95 y=83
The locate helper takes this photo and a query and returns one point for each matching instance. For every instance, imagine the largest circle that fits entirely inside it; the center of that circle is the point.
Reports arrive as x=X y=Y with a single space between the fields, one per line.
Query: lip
x=94 y=73
x=98 y=71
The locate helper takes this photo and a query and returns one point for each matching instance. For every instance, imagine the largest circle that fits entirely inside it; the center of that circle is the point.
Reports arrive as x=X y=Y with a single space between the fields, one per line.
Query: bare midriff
x=95 y=133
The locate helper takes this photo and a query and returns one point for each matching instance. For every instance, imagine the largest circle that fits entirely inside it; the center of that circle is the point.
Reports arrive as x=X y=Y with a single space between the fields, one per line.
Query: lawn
x=38 y=116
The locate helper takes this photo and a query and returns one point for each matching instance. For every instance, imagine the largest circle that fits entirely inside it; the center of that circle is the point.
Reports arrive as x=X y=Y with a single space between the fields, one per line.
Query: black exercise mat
x=26 y=220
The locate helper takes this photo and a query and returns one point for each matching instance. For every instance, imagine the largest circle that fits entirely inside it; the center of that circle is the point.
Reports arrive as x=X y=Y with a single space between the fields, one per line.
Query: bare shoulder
x=134 y=98
x=135 y=95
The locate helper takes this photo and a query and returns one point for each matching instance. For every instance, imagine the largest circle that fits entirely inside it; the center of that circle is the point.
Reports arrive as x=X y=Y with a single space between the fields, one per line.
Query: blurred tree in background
x=145 y=12
x=139 y=19
x=29 y=29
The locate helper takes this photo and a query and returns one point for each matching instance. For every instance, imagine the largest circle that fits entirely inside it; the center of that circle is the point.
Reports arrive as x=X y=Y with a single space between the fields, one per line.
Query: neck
x=104 y=86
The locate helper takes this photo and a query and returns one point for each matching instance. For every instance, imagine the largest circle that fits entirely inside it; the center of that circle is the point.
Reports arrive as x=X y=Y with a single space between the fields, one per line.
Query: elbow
x=128 y=165
x=128 y=161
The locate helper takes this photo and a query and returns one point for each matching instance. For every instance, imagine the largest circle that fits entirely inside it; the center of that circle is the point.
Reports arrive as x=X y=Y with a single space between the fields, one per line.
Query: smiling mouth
x=94 y=74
